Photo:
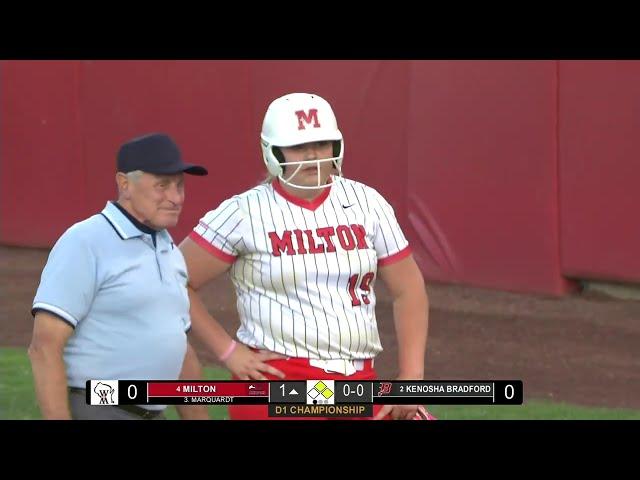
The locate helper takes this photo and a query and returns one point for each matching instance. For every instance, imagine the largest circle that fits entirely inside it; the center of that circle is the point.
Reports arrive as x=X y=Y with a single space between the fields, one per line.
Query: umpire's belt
x=138 y=411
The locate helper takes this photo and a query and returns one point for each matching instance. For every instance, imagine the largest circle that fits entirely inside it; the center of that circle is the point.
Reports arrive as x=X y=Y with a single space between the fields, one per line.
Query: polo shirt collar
x=122 y=225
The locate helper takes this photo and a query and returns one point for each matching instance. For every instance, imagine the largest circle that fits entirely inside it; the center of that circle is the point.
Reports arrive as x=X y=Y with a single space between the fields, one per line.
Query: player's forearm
x=50 y=381
x=192 y=370
x=411 y=314
x=206 y=328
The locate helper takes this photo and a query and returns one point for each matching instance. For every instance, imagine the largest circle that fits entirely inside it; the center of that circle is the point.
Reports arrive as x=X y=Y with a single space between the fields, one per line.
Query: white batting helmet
x=295 y=119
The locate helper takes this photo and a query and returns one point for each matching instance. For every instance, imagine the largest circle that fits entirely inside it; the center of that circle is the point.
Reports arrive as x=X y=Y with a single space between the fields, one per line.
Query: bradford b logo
x=385 y=388
x=320 y=392
x=104 y=392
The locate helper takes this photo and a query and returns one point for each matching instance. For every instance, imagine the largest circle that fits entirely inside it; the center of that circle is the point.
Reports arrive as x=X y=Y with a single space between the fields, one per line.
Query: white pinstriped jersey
x=304 y=271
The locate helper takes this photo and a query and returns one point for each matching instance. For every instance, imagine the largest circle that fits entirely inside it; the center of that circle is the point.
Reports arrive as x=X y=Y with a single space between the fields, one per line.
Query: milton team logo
x=385 y=388
x=104 y=392
x=310 y=118
x=320 y=392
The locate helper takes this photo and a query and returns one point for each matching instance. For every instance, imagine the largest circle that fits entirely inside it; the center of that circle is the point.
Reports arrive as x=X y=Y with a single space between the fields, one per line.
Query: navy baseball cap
x=155 y=153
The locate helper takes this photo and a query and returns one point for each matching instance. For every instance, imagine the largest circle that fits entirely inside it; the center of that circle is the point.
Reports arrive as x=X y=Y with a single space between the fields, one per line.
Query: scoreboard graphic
x=306 y=397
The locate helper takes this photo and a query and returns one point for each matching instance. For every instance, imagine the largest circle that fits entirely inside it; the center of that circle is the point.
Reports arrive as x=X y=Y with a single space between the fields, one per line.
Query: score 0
x=132 y=392
x=508 y=392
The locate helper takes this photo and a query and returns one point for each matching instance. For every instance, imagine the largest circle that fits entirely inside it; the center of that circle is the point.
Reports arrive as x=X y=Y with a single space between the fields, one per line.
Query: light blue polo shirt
x=126 y=299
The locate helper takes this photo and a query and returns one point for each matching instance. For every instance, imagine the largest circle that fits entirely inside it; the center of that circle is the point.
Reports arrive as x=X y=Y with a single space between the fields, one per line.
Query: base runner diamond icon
x=320 y=392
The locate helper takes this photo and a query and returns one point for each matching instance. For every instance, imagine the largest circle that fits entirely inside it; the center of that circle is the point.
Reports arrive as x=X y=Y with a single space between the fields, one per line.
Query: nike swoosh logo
x=348 y=206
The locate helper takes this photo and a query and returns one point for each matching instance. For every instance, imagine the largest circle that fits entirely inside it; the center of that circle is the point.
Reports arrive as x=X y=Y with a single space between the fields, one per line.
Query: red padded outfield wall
x=482 y=178
x=467 y=152
x=42 y=187
x=600 y=169
x=62 y=124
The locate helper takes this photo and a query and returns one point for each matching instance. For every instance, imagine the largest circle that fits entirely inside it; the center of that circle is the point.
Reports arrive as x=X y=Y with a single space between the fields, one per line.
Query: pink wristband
x=229 y=351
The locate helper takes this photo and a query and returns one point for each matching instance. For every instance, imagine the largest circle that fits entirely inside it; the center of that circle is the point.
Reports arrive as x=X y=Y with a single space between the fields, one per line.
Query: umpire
x=112 y=301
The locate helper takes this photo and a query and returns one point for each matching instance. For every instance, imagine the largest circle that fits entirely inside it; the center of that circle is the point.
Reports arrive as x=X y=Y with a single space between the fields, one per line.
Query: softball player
x=304 y=250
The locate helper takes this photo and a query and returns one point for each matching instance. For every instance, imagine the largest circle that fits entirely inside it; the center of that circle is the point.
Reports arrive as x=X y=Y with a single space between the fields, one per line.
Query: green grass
x=17 y=400
x=17 y=396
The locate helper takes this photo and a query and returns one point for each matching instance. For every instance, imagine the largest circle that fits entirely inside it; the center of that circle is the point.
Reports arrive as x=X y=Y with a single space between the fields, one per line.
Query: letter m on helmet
x=307 y=118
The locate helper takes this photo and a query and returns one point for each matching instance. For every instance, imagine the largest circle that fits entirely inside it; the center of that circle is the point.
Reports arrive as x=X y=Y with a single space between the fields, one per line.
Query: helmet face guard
x=295 y=119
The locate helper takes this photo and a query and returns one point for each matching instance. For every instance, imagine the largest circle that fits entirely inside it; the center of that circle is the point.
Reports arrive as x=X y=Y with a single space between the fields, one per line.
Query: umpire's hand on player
x=246 y=364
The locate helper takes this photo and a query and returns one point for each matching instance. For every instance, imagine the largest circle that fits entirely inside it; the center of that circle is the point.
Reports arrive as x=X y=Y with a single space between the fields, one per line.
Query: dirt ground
x=577 y=349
